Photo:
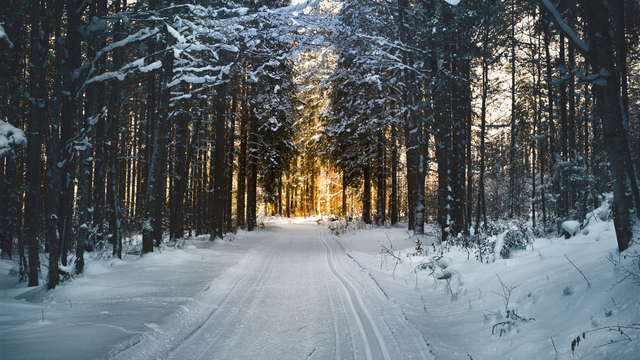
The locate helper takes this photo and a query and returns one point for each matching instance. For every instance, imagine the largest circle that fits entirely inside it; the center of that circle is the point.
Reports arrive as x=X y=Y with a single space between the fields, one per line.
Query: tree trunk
x=572 y=134
x=38 y=100
x=53 y=158
x=563 y=204
x=366 y=195
x=99 y=138
x=512 y=148
x=381 y=196
x=413 y=135
x=230 y=154
x=394 y=175
x=183 y=153
x=220 y=166
x=252 y=176
x=615 y=134
x=112 y=130
x=156 y=188
x=9 y=210
x=13 y=102
x=242 y=165
x=482 y=206
x=460 y=102
x=551 y=136
x=344 y=195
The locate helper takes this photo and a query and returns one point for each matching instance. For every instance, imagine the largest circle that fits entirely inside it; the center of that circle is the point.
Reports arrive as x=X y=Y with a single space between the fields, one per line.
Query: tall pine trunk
x=156 y=187
x=602 y=60
x=220 y=164
x=366 y=194
x=35 y=130
x=394 y=175
x=381 y=196
x=53 y=157
x=242 y=165
x=252 y=173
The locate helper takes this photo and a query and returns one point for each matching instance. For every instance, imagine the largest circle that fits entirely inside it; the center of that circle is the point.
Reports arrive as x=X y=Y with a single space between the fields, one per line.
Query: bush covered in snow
x=340 y=226
x=515 y=240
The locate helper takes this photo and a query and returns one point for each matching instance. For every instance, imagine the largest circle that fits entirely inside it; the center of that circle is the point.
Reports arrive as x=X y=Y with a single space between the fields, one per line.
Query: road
x=298 y=295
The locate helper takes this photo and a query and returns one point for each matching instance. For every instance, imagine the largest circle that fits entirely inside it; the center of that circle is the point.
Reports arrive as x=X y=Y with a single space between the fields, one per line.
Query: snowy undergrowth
x=533 y=305
x=113 y=302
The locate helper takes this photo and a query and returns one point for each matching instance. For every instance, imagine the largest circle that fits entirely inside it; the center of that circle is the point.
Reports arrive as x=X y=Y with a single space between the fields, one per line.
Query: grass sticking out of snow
x=459 y=303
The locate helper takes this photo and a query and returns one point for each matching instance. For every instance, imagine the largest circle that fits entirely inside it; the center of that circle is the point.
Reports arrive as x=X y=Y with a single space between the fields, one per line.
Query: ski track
x=296 y=296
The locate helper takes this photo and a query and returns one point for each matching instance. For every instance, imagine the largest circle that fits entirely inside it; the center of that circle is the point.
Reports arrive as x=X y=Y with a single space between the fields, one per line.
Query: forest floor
x=293 y=290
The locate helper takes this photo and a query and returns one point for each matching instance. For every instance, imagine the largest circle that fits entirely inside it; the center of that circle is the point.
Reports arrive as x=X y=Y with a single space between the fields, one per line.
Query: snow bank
x=460 y=304
x=113 y=302
x=571 y=227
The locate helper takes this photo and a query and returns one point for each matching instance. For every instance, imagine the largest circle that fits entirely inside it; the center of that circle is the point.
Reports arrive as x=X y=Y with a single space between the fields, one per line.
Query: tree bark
x=366 y=195
x=614 y=132
x=53 y=157
x=242 y=165
x=112 y=130
x=252 y=174
x=481 y=204
x=183 y=153
x=38 y=106
x=156 y=187
x=394 y=176
x=230 y=155
x=220 y=166
x=381 y=195
x=344 y=195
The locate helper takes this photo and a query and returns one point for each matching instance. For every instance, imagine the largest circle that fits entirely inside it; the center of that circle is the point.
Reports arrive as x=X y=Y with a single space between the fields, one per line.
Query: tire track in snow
x=251 y=299
x=274 y=286
x=154 y=346
x=333 y=302
x=357 y=308
x=240 y=304
x=399 y=319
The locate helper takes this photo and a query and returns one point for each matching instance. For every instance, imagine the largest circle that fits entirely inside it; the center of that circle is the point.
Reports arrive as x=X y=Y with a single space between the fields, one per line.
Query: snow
x=293 y=290
x=181 y=39
x=109 y=304
x=3 y=36
x=564 y=26
x=154 y=65
x=458 y=323
x=572 y=227
x=10 y=135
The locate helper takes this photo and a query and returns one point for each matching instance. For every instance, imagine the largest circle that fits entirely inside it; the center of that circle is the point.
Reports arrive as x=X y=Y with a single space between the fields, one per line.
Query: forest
x=172 y=119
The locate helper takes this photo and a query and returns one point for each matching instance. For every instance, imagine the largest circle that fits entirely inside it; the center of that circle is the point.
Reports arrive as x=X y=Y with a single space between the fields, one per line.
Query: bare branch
x=574 y=265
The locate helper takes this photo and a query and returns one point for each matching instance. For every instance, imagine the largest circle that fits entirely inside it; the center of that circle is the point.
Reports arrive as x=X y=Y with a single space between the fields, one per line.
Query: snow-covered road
x=291 y=291
x=297 y=295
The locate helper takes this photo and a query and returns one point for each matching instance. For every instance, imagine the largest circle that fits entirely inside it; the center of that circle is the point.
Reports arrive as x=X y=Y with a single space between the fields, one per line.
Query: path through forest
x=294 y=291
x=297 y=295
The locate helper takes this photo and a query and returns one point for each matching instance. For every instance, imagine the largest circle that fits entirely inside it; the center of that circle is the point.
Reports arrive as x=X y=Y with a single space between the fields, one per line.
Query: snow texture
x=3 y=36
x=294 y=291
x=571 y=227
x=181 y=39
x=10 y=135
x=564 y=26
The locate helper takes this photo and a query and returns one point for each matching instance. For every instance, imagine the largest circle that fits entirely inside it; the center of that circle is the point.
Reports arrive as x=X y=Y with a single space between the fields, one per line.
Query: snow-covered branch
x=582 y=46
x=10 y=135
x=3 y=36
